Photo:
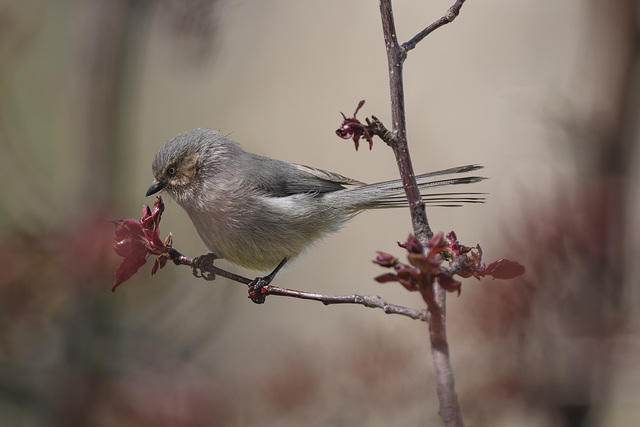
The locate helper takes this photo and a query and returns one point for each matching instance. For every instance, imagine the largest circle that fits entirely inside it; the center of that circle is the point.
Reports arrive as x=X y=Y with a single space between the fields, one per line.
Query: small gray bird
x=258 y=212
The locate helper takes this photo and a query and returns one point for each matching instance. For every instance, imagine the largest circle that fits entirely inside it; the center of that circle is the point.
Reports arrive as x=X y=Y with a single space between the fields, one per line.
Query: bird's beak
x=155 y=187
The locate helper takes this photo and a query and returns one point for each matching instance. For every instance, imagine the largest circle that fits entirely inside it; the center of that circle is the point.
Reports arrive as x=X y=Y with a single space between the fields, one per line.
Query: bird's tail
x=390 y=194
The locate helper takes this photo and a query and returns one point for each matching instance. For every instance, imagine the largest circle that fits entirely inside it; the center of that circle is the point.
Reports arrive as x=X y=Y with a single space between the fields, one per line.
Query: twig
x=203 y=267
x=448 y=17
x=366 y=300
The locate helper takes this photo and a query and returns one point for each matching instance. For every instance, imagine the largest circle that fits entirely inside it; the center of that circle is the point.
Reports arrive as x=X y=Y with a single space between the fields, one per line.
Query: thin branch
x=370 y=301
x=448 y=17
x=437 y=318
x=203 y=267
x=395 y=58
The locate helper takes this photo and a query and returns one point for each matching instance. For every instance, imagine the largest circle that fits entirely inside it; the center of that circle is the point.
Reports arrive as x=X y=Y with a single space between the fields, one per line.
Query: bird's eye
x=171 y=171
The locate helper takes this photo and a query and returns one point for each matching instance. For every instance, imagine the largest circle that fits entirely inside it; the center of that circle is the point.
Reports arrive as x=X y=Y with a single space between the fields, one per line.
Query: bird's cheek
x=179 y=181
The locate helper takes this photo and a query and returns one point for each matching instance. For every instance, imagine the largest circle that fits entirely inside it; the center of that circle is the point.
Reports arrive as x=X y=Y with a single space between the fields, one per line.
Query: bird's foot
x=258 y=288
x=199 y=266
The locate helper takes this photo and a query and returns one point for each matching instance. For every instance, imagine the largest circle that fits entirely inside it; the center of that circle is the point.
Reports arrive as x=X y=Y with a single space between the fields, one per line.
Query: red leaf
x=156 y=266
x=136 y=240
x=412 y=245
x=385 y=260
x=448 y=283
x=504 y=269
x=426 y=265
x=436 y=241
x=386 y=278
x=407 y=271
x=128 y=267
x=406 y=280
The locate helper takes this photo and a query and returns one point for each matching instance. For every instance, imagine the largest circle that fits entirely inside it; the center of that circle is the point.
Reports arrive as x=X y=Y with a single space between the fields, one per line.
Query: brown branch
x=203 y=267
x=446 y=387
x=370 y=301
x=395 y=59
x=448 y=17
x=436 y=301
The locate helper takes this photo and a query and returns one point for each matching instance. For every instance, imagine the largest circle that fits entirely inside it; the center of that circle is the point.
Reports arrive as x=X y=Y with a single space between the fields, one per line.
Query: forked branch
x=435 y=295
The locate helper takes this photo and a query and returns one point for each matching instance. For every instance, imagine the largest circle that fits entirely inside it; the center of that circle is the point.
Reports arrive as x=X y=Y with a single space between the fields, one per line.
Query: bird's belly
x=261 y=237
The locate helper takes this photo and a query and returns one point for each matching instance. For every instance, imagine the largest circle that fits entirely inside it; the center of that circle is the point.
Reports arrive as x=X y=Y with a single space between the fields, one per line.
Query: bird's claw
x=257 y=289
x=203 y=260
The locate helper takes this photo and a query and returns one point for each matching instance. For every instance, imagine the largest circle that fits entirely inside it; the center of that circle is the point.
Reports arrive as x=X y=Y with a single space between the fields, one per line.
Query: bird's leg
x=257 y=285
x=199 y=262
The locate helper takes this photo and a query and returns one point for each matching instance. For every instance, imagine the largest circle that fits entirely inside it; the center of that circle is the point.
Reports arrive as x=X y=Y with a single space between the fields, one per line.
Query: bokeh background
x=544 y=94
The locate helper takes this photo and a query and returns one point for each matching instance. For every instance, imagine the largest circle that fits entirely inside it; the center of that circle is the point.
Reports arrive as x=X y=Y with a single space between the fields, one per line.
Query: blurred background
x=544 y=94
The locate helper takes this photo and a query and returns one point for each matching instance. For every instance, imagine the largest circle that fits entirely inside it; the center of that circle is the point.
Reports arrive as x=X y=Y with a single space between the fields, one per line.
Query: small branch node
x=379 y=129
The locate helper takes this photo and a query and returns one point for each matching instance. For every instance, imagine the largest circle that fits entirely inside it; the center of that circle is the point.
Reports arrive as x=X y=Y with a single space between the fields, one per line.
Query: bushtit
x=258 y=212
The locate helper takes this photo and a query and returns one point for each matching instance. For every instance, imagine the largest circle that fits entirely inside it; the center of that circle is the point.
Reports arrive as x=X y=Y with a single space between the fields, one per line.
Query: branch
x=435 y=296
x=366 y=300
x=448 y=17
x=395 y=58
x=203 y=267
x=446 y=390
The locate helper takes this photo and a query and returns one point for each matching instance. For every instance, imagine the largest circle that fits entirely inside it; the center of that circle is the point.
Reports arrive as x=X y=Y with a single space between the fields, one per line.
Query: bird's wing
x=281 y=179
x=305 y=179
x=328 y=176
